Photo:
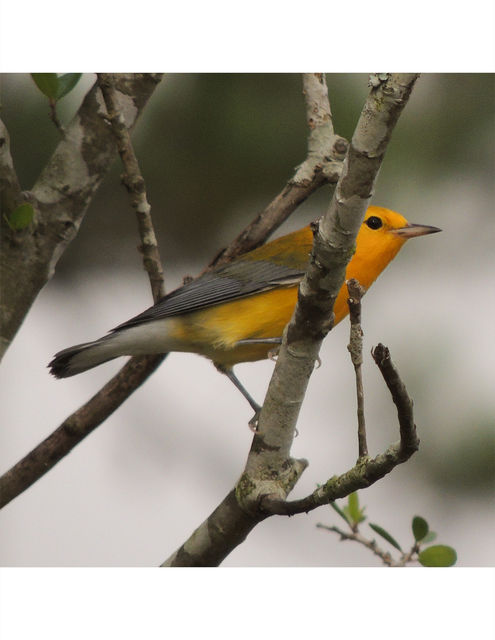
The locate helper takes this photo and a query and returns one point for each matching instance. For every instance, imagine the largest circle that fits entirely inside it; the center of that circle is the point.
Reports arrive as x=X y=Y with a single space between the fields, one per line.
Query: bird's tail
x=82 y=357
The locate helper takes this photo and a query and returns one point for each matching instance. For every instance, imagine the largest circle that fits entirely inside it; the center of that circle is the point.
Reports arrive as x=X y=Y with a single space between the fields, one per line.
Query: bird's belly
x=216 y=331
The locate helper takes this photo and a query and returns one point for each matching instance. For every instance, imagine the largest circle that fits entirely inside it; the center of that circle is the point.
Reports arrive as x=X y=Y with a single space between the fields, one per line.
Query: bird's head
x=382 y=234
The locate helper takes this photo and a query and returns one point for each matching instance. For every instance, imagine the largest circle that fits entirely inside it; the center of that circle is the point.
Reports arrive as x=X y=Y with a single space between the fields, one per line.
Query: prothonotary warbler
x=238 y=311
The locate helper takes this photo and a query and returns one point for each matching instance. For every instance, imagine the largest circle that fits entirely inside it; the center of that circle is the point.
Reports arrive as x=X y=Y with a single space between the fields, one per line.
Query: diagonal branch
x=76 y=427
x=323 y=165
x=135 y=184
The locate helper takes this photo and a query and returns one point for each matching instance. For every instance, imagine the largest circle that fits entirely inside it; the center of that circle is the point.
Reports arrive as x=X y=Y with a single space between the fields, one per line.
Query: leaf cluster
x=432 y=556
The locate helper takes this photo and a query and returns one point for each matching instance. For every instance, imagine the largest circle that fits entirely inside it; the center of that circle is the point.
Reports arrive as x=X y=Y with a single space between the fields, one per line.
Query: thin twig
x=136 y=187
x=409 y=556
x=355 y=348
x=384 y=556
x=372 y=545
x=409 y=441
x=54 y=117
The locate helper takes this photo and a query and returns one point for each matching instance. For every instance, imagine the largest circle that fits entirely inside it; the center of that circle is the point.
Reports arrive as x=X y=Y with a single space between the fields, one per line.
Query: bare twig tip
x=380 y=353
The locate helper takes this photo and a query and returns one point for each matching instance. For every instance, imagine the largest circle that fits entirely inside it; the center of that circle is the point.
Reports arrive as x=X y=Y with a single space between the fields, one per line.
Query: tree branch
x=323 y=165
x=355 y=348
x=409 y=441
x=76 y=427
x=60 y=198
x=135 y=184
x=225 y=529
x=366 y=471
x=384 y=556
x=10 y=189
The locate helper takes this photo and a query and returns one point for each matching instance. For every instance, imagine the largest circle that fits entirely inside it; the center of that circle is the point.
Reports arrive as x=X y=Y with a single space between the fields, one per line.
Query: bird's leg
x=228 y=371
x=233 y=378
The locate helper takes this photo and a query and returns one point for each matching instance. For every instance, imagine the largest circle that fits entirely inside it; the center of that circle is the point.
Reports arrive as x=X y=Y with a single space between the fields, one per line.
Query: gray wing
x=235 y=280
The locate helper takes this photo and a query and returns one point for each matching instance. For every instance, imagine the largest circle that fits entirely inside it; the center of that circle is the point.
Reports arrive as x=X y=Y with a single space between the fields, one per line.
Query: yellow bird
x=238 y=311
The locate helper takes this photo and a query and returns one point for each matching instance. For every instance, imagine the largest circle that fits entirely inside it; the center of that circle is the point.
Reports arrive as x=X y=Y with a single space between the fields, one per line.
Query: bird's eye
x=374 y=222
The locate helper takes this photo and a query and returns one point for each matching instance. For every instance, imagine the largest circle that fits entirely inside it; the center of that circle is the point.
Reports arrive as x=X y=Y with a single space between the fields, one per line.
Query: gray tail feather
x=82 y=357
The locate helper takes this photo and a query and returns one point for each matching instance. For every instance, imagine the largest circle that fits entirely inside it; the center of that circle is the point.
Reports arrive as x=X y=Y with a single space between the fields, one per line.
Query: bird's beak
x=414 y=230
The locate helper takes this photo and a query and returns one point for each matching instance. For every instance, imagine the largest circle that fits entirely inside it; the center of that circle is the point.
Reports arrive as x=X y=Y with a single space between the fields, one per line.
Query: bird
x=237 y=312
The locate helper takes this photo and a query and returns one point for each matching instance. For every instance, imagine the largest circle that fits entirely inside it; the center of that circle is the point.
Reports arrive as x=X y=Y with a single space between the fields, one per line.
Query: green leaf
x=47 y=83
x=385 y=534
x=339 y=511
x=438 y=556
x=20 y=217
x=355 y=513
x=53 y=86
x=420 y=528
x=429 y=537
x=66 y=83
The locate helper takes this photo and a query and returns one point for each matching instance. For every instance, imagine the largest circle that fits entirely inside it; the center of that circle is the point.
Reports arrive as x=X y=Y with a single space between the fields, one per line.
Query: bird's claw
x=253 y=423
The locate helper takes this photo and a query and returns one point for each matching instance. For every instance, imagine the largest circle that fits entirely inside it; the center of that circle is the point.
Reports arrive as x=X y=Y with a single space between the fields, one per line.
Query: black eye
x=374 y=222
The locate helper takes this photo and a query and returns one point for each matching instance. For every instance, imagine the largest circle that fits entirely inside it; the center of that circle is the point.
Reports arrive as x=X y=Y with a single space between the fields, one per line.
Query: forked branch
x=367 y=470
x=322 y=165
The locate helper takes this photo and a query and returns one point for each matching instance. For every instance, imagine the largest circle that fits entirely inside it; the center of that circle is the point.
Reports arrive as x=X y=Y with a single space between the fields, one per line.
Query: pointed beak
x=414 y=230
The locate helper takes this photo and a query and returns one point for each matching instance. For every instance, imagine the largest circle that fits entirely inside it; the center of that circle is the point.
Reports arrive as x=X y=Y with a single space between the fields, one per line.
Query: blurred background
x=214 y=150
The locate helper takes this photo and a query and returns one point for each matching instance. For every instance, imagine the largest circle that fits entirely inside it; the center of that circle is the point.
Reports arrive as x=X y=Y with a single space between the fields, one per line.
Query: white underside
x=145 y=339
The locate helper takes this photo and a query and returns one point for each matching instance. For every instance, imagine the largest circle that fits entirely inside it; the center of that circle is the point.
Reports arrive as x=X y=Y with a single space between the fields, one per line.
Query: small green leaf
x=20 y=217
x=429 y=537
x=66 y=83
x=385 y=534
x=339 y=511
x=47 y=83
x=355 y=513
x=54 y=86
x=438 y=556
x=420 y=528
